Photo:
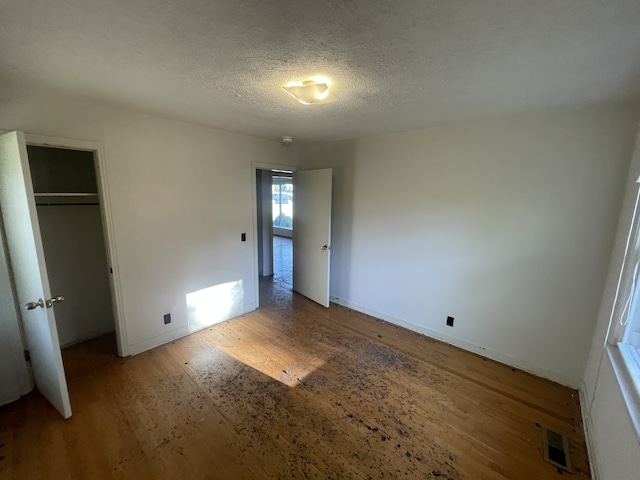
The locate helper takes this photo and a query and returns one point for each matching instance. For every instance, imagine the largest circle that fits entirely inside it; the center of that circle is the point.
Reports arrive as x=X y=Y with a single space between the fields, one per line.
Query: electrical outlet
x=450 y=321
x=167 y=318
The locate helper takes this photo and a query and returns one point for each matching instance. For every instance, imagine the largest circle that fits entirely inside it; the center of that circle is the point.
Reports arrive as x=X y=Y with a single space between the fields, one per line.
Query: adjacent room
x=347 y=239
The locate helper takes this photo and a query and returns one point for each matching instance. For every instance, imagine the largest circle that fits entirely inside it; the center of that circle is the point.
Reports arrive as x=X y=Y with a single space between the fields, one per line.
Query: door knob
x=34 y=305
x=57 y=299
x=325 y=247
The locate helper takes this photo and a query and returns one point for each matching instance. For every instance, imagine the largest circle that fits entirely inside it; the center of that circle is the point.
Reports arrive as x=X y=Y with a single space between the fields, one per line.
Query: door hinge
x=27 y=356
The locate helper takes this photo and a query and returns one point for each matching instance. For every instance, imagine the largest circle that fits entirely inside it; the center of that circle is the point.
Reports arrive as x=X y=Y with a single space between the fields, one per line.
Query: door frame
x=99 y=161
x=255 y=166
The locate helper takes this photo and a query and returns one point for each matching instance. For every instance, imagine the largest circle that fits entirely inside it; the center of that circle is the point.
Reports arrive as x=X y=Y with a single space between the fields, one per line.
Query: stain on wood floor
x=292 y=391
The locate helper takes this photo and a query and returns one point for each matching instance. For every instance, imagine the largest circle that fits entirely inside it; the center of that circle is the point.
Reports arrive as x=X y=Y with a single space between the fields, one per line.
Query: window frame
x=625 y=315
x=281 y=179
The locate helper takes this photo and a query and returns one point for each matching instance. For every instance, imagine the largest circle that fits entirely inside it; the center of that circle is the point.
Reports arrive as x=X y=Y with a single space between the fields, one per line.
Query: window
x=623 y=341
x=282 y=193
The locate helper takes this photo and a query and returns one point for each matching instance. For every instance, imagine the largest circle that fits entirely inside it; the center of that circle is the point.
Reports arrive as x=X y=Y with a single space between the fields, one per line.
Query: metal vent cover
x=556 y=449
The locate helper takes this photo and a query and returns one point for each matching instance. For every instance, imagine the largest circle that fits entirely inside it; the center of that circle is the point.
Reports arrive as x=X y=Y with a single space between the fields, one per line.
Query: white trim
x=255 y=166
x=98 y=150
x=521 y=364
x=587 y=426
x=163 y=339
x=628 y=387
x=178 y=333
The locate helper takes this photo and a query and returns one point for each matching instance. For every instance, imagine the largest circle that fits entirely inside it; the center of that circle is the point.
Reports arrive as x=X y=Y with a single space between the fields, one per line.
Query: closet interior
x=71 y=226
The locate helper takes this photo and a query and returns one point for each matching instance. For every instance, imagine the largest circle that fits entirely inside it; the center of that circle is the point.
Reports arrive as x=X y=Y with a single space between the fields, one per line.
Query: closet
x=71 y=227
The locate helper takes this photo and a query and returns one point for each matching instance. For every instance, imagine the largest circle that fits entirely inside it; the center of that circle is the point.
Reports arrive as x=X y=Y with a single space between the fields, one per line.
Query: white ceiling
x=395 y=65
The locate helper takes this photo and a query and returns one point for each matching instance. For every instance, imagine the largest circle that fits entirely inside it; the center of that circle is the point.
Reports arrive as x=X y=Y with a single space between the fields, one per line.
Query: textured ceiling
x=395 y=65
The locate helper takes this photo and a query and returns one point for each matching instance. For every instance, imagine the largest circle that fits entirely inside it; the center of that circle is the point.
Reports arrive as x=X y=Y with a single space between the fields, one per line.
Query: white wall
x=180 y=198
x=614 y=445
x=506 y=225
x=73 y=243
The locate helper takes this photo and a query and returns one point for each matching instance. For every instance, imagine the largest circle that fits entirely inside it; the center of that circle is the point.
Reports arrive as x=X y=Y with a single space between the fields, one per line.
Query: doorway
x=34 y=301
x=282 y=214
x=71 y=225
x=311 y=231
x=274 y=220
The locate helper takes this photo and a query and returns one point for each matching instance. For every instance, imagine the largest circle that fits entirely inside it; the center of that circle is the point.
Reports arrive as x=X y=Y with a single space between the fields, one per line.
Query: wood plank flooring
x=292 y=391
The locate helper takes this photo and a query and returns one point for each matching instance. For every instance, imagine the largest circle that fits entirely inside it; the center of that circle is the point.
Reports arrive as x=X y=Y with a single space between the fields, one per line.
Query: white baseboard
x=11 y=396
x=154 y=342
x=136 y=348
x=588 y=428
x=521 y=364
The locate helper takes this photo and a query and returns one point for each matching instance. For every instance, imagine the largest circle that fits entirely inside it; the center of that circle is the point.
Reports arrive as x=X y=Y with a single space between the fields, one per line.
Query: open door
x=26 y=257
x=312 y=234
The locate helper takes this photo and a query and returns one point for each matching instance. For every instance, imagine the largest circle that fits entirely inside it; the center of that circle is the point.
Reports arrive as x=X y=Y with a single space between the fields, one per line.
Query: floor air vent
x=556 y=449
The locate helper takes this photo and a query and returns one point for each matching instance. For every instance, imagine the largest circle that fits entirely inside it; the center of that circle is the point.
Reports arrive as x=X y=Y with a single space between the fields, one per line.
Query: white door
x=312 y=233
x=26 y=257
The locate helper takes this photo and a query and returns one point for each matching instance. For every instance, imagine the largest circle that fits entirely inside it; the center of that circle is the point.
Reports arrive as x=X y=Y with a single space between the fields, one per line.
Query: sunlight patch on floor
x=282 y=361
x=291 y=376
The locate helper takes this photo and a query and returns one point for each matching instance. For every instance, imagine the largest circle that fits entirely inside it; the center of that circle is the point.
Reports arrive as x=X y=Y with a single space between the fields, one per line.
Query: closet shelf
x=62 y=199
x=66 y=194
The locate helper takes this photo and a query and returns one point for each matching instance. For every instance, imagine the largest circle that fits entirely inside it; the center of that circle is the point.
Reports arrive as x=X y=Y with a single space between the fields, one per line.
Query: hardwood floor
x=292 y=390
x=283 y=261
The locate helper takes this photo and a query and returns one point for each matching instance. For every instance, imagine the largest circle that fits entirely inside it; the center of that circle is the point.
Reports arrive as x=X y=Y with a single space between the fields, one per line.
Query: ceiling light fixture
x=311 y=92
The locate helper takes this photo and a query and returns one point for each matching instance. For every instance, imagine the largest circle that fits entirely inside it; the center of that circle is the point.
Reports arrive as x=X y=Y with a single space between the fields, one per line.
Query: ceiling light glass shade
x=310 y=92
